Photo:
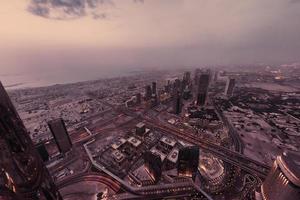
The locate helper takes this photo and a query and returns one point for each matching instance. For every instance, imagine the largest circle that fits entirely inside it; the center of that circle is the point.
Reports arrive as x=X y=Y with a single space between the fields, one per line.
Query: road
x=91 y=176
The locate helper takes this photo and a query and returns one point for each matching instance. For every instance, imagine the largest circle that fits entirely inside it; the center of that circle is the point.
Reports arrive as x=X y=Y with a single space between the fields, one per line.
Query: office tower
x=177 y=85
x=210 y=75
x=202 y=89
x=283 y=181
x=153 y=87
x=60 y=134
x=229 y=87
x=188 y=161
x=187 y=77
x=186 y=94
x=153 y=165
x=168 y=86
x=138 y=98
x=154 y=100
x=177 y=104
x=41 y=149
x=140 y=129
x=22 y=172
x=186 y=81
x=216 y=74
x=148 y=92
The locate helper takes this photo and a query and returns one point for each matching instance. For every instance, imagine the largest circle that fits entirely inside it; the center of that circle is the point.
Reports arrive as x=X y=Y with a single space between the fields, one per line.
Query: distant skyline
x=47 y=35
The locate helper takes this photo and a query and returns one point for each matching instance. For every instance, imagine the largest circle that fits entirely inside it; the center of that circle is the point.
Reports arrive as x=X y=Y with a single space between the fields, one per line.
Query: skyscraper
x=186 y=80
x=154 y=100
x=177 y=104
x=229 y=87
x=60 y=134
x=202 y=89
x=177 y=85
x=153 y=165
x=154 y=88
x=140 y=129
x=187 y=77
x=42 y=151
x=148 y=92
x=216 y=74
x=188 y=161
x=22 y=173
x=283 y=181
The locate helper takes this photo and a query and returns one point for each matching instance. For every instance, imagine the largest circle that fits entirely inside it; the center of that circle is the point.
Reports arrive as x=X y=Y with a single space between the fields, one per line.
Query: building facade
x=22 y=172
x=60 y=134
x=283 y=181
x=188 y=161
x=230 y=87
x=202 y=89
x=153 y=165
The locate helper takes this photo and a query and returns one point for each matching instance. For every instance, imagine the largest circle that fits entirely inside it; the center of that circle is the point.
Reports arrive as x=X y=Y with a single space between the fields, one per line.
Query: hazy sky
x=48 y=34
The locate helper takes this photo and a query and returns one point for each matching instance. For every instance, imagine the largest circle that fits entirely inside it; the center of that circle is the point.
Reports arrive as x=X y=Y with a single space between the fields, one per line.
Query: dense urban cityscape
x=149 y=100
x=204 y=133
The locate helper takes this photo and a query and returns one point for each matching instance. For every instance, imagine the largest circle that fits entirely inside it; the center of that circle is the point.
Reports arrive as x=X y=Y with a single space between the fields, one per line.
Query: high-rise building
x=202 y=89
x=283 y=181
x=177 y=85
x=22 y=172
x=216 y=74
x=154 y=100
x=186 y=94
x=153 y=165
x=188 y=161
x=201 y=98
x=42 y=151
x=186 y=80
x=154 y=88
x=229 y=87
x=140 y=129
x=187 y=77
x=177 y=104
x=60 y=134
x=148 y=92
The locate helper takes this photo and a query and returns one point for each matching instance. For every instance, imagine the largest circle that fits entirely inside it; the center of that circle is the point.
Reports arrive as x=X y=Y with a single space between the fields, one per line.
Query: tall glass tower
x=22 y=173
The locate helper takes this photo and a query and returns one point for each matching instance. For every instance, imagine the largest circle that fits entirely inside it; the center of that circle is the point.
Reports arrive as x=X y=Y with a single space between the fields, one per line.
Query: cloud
x=72 y=9
x=69 y=9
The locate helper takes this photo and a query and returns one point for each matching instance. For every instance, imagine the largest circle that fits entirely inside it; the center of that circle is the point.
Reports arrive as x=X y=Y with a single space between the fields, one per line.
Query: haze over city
x=111 y=35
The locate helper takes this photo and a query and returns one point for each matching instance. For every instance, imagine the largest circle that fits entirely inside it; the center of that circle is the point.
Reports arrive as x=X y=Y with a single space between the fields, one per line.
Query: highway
x=91 y=176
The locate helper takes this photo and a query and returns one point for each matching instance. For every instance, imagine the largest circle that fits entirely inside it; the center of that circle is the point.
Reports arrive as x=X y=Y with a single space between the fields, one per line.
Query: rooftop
x=289 y=163
x=168 y=141
x=118 y=156
x=157 y=152
x=140 y=125
x=135 y=142
x=118 y=143
x=173 y=155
